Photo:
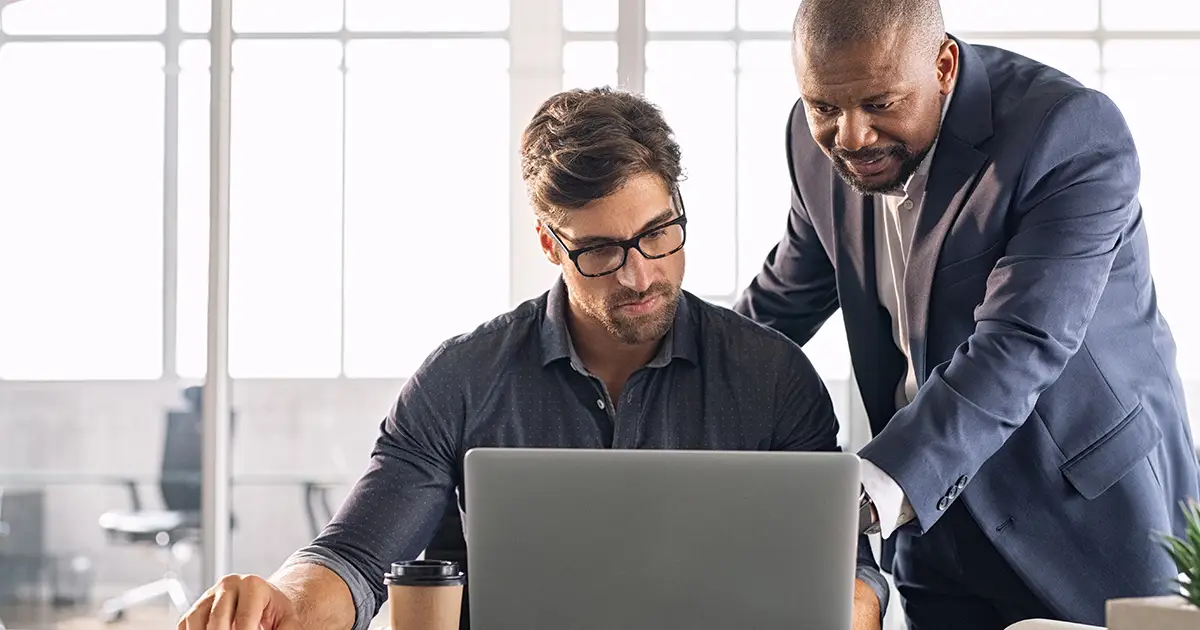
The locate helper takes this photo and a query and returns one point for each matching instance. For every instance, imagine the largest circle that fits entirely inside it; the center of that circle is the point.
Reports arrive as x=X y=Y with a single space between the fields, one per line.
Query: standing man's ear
x=947 y=65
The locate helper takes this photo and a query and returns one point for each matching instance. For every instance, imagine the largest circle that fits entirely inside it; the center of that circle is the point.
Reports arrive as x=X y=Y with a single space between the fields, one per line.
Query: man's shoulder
x=1043 y=118
x=1026 y=93
x=1010 y=71
x=495 y=340
x=729 y=337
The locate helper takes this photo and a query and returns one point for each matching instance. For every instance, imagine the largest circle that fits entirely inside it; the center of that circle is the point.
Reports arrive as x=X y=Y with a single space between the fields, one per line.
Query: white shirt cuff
x=891 y=505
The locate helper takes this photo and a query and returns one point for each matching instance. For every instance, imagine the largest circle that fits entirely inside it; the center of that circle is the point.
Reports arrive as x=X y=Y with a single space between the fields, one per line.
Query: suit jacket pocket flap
x=1114 y=454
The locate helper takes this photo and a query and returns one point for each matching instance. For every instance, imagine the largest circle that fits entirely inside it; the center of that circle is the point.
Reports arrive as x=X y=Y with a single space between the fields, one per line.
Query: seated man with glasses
x=614 y=355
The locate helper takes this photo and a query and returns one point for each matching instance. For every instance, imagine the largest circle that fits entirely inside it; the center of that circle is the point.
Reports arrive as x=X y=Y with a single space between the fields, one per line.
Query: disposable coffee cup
x=425 y=595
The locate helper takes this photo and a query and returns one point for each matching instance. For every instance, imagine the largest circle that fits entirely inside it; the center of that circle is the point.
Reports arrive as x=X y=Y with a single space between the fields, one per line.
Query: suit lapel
x=868 y=325
x=950 y=182
x=856 y=231
x=953 y=173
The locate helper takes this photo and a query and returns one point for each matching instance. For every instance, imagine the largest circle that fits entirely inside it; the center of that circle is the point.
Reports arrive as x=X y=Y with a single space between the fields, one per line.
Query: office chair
x=174 y=531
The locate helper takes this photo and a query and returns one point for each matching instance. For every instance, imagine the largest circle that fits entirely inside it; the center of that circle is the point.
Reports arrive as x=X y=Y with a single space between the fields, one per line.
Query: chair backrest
x=182 y=462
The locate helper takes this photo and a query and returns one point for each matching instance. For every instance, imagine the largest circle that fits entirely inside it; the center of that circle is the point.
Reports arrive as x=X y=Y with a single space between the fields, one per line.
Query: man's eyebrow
x=588 y=241
x=882 y=96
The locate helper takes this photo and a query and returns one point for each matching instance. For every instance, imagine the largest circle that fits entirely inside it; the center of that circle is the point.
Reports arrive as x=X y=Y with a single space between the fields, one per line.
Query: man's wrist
x=868 y=610
x=868 y=516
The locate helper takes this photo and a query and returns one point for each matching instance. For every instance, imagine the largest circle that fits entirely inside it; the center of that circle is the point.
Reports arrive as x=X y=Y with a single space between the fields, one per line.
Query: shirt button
x=907 y=205
x=600 y=403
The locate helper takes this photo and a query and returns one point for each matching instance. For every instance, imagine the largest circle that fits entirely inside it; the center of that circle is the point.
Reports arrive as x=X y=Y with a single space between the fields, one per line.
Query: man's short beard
x=647 y=328
x=910 y=161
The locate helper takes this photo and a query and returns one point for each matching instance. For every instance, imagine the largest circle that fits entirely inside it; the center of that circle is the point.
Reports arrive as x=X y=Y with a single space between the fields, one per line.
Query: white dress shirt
x=895 y=220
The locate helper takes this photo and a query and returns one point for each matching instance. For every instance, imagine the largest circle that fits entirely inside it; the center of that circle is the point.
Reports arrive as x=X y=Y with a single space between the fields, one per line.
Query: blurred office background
x=376 y=209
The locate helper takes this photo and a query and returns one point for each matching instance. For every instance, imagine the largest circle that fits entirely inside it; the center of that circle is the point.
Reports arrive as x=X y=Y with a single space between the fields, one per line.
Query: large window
x=426 y=227
x=369 y=186
x=81 y=164
x=369 y=199
x=373 y=209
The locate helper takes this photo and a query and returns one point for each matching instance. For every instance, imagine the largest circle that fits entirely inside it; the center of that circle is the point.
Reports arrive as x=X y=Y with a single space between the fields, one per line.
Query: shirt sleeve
x=806 y=422
x=890 y=503
x=394 y=509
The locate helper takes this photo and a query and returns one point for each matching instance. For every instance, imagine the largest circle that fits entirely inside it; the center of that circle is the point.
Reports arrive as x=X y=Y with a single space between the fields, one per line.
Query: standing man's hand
x=242 y=602
x=867 y=615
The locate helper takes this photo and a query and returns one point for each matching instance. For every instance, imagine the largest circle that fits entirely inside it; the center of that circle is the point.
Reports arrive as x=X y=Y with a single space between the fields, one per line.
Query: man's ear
x=550 y=248
x=947 y=65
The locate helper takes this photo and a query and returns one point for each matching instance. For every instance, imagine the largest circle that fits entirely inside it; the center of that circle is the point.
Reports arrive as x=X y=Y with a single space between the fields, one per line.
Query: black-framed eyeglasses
x=657 y=242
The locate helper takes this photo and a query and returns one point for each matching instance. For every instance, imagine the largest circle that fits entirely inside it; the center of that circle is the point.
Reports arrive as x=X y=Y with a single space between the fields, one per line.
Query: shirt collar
x=556 y=342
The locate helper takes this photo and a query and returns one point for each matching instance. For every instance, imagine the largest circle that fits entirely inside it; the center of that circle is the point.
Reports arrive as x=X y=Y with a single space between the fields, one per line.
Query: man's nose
x=635 y=274
x=855 y=131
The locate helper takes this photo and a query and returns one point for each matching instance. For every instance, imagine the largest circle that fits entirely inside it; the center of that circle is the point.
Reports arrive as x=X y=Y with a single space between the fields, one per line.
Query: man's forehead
x=614 y=221
x=877 y=65
x=852 y=78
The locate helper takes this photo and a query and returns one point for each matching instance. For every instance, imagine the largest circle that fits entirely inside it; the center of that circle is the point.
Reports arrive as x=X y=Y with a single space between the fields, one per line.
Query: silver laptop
x=582 y=539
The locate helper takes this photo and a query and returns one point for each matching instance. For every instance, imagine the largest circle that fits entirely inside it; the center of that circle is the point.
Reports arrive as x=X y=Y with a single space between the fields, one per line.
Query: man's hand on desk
x=299 y=596
x=867 y=615
x=242 y=602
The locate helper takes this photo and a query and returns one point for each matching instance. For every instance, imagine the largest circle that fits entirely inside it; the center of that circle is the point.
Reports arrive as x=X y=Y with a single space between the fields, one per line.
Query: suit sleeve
x=1076 y=196
x=805 y=421
x=795 y=291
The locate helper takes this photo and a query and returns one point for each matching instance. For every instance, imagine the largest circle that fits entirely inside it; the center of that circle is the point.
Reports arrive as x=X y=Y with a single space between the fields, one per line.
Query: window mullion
x=342 y=243
x=170 y=280
x=631 y=45
x=535 y=39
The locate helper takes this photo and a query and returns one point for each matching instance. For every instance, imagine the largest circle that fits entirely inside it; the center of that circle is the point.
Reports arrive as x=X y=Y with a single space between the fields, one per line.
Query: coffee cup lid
x=424 y=573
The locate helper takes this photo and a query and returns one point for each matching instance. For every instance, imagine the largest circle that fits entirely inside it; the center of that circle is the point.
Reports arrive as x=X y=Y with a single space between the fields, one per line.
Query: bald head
x=830 y=25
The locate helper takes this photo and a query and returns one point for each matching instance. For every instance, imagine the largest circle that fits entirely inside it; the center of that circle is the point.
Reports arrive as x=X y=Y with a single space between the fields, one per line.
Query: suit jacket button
x=943 y=504
x=962 y=483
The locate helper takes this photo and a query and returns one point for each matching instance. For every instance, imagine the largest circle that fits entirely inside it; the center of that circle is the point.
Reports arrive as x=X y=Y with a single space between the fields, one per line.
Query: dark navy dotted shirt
x=719 y=381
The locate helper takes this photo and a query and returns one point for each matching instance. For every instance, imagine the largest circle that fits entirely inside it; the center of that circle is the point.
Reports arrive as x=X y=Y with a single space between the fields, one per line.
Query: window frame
x=535 y=27
x=535 y=35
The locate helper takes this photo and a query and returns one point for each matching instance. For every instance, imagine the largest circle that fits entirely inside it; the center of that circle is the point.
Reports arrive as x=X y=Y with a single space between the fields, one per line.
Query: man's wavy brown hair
x=583 y=145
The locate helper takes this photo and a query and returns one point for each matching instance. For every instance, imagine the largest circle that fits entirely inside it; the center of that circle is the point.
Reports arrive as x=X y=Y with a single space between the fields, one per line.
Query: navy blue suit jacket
x=1049 y=400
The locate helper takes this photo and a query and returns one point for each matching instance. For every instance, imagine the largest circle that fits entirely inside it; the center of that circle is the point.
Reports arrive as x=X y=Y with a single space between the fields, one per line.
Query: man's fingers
x=252 y=602
x=197 y=617
x=239 y=603
x=224 y=605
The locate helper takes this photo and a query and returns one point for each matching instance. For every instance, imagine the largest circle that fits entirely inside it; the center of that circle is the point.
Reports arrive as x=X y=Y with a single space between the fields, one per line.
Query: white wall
x=319 y=428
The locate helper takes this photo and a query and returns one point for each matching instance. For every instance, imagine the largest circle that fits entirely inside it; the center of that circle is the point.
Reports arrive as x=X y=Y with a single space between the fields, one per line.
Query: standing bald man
x=974 y=214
